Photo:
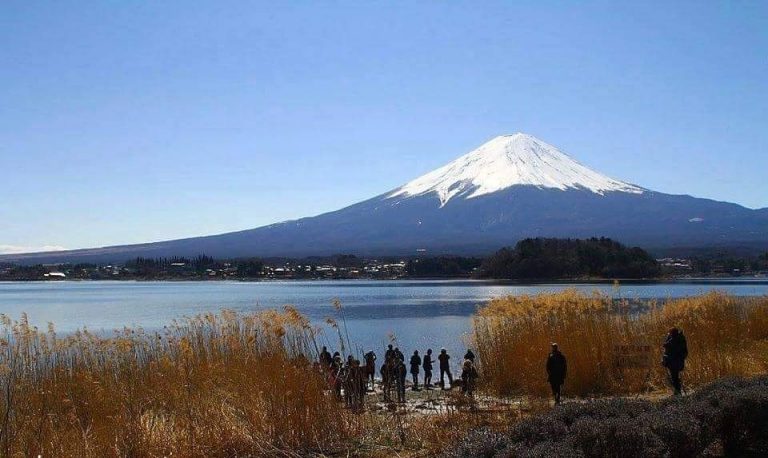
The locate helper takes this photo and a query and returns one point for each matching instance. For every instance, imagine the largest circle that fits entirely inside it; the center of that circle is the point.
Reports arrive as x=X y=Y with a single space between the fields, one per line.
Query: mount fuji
x=506 y=162
x=511 y=187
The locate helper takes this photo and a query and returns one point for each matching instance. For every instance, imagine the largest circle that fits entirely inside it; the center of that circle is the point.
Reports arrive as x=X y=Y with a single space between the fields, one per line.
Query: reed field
x=214 y=385
x=613 y=348
x=247 y=384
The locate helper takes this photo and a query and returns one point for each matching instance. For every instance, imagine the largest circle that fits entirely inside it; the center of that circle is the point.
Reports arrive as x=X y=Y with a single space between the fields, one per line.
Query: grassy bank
x=612 y=349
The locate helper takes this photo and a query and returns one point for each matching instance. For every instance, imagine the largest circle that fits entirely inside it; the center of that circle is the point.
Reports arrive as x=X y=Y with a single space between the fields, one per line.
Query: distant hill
x=512 y=187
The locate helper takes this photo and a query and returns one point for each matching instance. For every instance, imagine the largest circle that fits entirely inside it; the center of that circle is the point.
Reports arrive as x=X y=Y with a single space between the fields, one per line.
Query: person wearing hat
x=557 y=369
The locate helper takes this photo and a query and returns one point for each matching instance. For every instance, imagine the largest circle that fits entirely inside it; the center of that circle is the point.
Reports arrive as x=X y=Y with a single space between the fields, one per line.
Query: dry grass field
x=727 y=336
x=246 y=385
x=207 y=386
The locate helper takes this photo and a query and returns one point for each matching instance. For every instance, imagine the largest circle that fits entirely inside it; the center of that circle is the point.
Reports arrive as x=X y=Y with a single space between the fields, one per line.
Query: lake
x=420 y=314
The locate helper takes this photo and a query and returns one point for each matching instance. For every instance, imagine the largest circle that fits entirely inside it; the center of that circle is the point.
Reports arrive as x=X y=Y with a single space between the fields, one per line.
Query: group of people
x=350 y=380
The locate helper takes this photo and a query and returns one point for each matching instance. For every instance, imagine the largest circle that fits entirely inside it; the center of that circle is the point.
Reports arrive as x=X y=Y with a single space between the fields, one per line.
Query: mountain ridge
x=475 y=204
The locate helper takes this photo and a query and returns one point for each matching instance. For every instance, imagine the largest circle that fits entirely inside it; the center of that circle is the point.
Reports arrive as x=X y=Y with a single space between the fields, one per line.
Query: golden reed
x=727 y=336
x=213 y=385
x=244 y=384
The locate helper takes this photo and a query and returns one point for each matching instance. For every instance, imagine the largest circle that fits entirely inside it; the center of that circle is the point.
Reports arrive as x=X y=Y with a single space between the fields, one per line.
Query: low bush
x=728 y=417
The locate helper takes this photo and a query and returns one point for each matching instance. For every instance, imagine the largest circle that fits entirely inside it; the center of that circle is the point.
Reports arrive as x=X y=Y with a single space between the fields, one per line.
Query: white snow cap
x=506 y=161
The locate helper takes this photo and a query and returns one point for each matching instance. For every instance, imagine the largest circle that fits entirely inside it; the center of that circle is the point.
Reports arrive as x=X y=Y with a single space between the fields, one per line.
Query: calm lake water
x=420 y=314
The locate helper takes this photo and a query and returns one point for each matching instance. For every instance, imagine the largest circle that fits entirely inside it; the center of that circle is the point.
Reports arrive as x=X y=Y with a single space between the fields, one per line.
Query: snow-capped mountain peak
x=506 y=161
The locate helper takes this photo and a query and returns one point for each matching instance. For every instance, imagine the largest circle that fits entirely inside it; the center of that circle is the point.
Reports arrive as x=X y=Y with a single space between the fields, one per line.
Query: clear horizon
x=130 y=123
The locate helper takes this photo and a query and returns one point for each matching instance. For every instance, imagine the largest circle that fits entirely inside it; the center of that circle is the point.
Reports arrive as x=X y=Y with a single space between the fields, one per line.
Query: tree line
x=199 y=265
x=550 y=258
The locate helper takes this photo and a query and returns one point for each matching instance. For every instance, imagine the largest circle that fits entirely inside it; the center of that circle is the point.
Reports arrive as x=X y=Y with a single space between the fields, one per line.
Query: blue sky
x=125 y=122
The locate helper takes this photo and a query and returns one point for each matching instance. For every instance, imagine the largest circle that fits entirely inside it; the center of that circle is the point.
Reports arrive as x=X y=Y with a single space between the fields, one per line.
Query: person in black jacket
x=325 y=358
x=415 y=363
x=387 y=378
x=370 y=369
x=468 y=377
x=427 y=365
x=390 y=353
x=336 y=370
x=400 y=373
x=445 y=368
x=675 y=353
x=557 y=369
x=470 y=356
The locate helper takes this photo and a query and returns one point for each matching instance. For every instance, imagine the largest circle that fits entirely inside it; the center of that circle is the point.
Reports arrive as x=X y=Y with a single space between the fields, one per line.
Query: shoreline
x=756 y=280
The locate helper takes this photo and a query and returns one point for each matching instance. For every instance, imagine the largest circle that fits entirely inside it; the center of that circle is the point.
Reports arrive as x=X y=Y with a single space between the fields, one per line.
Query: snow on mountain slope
x=506 y=161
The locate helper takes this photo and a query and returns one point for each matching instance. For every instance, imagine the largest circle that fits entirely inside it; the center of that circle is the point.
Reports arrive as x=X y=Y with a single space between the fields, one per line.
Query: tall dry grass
x=245 y=385
x=213 y=385
x=611 y=347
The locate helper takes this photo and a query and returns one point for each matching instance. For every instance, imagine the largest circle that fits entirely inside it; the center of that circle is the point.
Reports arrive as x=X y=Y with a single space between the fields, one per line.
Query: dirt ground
x=436 y=401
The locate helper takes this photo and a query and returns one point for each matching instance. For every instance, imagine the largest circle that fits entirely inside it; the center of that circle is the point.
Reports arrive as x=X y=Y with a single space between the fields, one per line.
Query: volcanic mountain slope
x=511 y=187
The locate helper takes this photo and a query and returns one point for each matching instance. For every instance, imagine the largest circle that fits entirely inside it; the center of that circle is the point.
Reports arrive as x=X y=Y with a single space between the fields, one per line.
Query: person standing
x=399 y=355
x=386 y=378
x=325 y=358
x=347 y=382
x=415 y=364
x=370 y=369
x=390 y=353
x=470 y=356
x=445 y=368
x=400 y=373
x=336 y=372
x=350 y=360
x=557 y=369
x=357 y=385
x=468 y=377
x=427 y=365
x=675 y=353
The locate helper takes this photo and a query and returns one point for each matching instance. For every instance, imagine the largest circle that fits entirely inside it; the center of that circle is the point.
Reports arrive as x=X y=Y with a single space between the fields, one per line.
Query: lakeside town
x=342 y=267
x=205 y=268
